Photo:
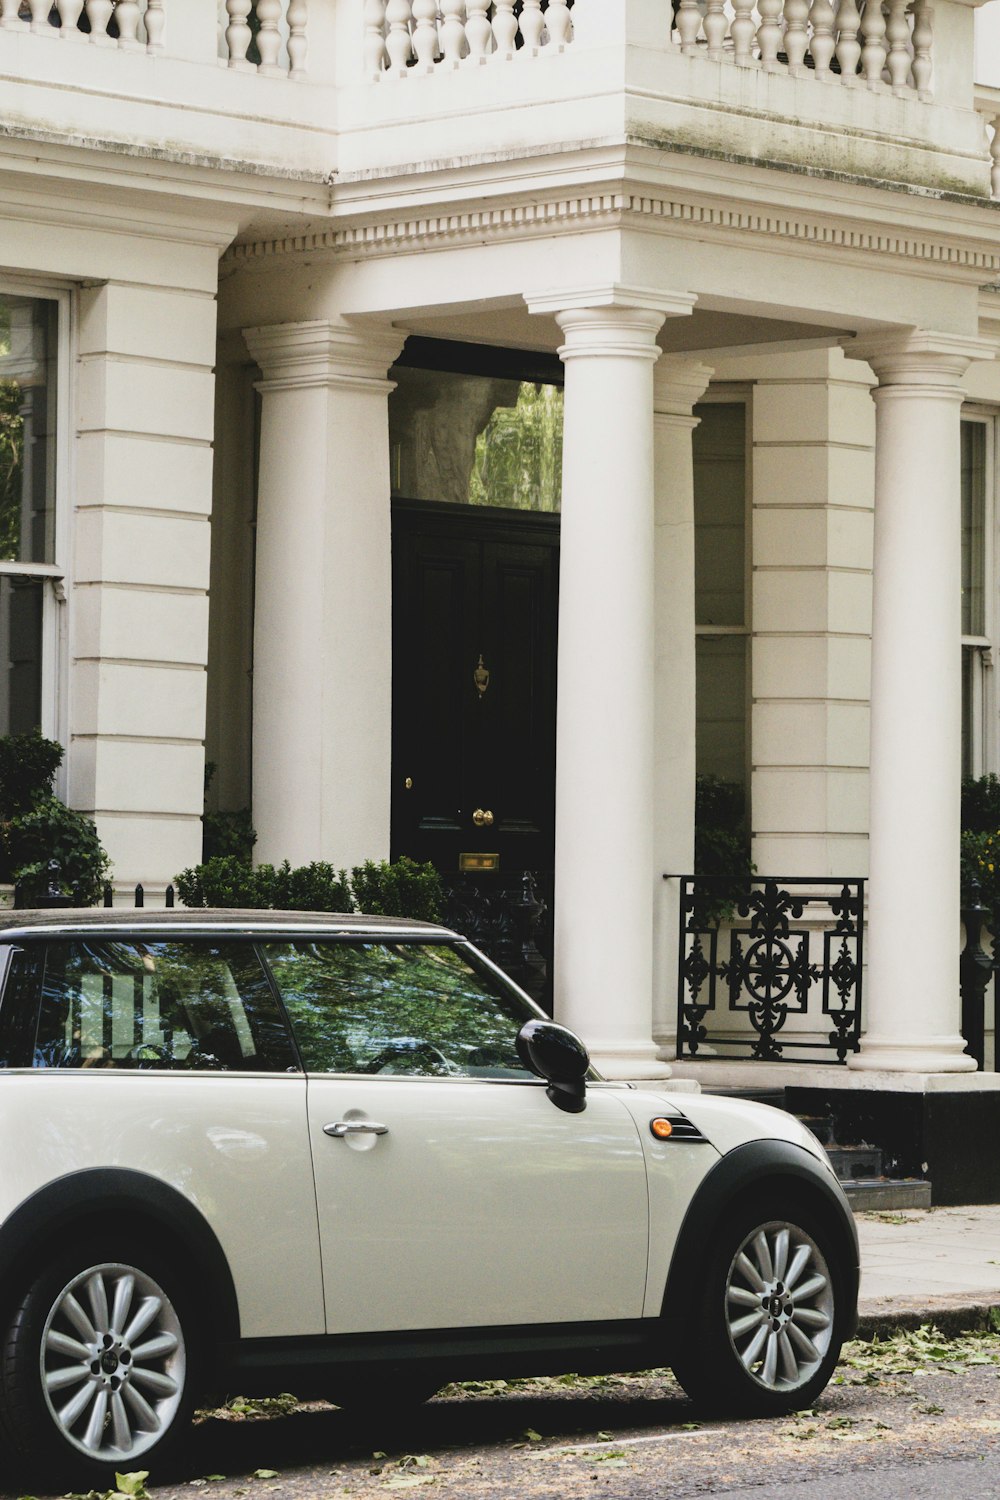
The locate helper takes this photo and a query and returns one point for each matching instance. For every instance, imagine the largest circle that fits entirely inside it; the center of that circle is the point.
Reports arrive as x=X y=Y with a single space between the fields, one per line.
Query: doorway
x=475 y=599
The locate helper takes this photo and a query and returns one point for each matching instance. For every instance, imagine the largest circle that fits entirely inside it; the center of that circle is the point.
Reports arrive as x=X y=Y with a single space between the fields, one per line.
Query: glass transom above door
x=476 y=440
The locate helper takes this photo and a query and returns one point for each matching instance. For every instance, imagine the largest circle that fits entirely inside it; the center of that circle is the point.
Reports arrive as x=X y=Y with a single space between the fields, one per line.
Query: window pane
x=414 y=1008
x=19 y=1010
x=973 y=527
x=147 y=1004
x=20 y=654
x=720 y=515
x=476 y=440
x=27 y=429
x=970 y=663
x=721 y=707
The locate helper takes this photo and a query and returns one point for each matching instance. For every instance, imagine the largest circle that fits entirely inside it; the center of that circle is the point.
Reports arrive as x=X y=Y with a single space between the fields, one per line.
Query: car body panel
x=234 y=1145
x=483 y=1204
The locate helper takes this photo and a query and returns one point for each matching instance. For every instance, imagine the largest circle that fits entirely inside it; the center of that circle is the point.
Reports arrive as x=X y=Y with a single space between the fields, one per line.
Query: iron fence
x=758 y=954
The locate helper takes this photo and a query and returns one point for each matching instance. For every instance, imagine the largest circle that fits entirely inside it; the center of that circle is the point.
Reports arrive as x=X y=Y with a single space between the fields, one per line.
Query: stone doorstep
x=874 y=1194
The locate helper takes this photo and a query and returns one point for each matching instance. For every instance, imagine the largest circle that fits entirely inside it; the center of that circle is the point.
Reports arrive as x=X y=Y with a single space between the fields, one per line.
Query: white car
x=347 y=1157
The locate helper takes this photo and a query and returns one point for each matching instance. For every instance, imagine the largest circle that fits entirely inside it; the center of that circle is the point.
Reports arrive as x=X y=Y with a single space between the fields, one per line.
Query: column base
x=929 y=1054
x=615 y=1060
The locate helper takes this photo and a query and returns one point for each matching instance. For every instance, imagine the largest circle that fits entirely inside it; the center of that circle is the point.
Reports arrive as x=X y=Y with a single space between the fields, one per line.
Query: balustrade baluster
x=716 y=26
x=822 y=19
x=897 y=33
x=268 y=36
x=769 y=34
x=504 y=29
x=742 y=32
x=796 y=35
x=154 y=22
x=923 y=41
x=453 y=31
x=298 y=15
x=127 y=18
x=559 y=24
x=238 y=33
x=688 y=23
x=70 y=12
x=848 y=46
x=40 y=16
x=373 y=49
x=425 y=35
x=99 y=14
x=478 y=30
x=532 y=25
x=9 y=18
x=874 y=49
x=397 y=42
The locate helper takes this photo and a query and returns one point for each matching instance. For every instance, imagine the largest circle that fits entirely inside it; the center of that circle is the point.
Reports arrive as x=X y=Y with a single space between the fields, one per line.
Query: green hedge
x=400 y=888
x=36 y=828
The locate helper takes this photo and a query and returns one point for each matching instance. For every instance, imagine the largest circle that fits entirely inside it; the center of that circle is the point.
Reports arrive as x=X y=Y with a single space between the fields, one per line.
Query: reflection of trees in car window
x=417 y=1008
x=143 y=1003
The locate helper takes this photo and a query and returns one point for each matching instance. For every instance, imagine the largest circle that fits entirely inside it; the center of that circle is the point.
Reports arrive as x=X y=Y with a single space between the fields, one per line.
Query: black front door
x=474 y=687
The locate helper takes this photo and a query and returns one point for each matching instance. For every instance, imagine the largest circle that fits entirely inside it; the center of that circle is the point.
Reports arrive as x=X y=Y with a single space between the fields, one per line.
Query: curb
x=952 y=1315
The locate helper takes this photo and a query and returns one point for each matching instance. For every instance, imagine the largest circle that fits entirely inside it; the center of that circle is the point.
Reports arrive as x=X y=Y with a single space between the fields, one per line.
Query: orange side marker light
x=661 y=1128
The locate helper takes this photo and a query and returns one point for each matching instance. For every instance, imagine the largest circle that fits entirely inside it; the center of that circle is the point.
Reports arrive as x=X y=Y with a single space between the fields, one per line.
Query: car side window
x=19 y=1006
x=146 y=1003
x=420 y=1009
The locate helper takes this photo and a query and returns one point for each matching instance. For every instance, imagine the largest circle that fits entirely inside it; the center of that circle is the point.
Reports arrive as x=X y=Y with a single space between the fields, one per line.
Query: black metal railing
x=510 y=920
x=770 y=949
x=56 y=897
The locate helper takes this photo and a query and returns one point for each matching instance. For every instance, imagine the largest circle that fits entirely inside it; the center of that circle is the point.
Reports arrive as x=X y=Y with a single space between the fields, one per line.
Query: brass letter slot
x=479 y=861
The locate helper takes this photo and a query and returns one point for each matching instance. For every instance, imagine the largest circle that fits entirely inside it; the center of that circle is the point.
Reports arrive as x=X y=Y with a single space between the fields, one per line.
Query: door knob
x=483 y=818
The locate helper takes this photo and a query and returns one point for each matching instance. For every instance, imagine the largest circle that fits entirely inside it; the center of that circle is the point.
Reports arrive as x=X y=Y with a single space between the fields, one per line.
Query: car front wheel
x=767 y=1336
x=97 y=1365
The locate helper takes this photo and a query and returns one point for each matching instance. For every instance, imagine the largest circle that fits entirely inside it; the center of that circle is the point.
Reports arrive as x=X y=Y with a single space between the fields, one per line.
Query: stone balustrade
x=988 y=105
x=131 y=25
x=879 y=47
x=280 y=40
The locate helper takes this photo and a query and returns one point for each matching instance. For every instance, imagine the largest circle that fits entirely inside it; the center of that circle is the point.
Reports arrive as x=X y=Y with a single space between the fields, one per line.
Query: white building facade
x=270 y=271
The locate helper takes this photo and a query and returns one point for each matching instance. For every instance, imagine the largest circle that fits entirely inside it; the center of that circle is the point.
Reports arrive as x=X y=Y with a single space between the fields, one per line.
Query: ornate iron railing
x=788 y=950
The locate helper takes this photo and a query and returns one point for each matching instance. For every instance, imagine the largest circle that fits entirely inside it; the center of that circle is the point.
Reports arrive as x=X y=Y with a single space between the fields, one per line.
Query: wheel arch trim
x=92 y=1193
x=757 y=1163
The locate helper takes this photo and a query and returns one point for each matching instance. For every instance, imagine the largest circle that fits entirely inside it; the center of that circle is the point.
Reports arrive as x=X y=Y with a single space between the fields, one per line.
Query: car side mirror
x=554 y=1053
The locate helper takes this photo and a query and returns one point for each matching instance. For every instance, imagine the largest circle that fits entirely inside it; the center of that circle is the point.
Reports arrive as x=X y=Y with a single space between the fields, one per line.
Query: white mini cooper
x=347 y=1157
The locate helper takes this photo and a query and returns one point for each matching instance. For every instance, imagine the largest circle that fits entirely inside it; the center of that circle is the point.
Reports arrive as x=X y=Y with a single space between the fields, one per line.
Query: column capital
x=919 y=357
x=324 y=352
x=678 y=384
x=611 y=294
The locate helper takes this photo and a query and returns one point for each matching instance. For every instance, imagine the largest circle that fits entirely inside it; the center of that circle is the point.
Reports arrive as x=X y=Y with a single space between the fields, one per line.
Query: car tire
x=98 y=1365
x=765 y=1335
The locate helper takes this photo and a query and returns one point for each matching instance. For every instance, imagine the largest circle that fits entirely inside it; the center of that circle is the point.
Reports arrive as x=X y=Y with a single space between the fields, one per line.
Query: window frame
x=983 y=708
x=56 y=573
x=739 y=393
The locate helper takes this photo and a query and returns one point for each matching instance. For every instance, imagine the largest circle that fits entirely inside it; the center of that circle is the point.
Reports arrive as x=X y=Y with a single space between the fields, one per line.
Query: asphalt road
x=918 y=1418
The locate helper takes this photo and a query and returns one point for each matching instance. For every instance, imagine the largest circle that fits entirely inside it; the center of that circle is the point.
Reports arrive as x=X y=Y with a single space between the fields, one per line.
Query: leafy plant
x=227 y=832
x=980 y=848
x=36 y=828
x=721 y=845
x=398 y=888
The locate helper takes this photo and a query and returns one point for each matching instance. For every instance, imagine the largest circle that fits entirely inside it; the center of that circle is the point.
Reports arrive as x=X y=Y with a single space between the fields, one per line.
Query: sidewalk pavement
x=938 y=1265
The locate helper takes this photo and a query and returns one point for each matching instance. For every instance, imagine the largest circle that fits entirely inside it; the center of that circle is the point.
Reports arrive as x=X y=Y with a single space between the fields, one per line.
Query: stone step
x=887 y=1194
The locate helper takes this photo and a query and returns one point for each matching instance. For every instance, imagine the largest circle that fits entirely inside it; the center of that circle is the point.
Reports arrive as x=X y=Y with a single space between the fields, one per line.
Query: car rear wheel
x=97 y=1365
x=768 y=1332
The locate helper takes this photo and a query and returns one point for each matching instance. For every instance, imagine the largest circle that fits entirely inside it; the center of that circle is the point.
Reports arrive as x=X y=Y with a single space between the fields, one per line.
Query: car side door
x=452 y=1193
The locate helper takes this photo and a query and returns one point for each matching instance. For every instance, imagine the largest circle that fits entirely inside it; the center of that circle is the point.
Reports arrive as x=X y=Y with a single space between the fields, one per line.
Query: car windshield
x=398 y=1007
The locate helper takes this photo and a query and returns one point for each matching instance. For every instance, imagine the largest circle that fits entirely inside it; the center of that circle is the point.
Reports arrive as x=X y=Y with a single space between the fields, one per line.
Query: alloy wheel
x=779 y=1306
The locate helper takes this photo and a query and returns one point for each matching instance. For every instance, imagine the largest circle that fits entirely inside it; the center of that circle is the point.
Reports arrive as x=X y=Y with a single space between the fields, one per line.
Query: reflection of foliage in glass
x=158 y=1004
x=350 y=1003
x=11 y=468
x=518 y=460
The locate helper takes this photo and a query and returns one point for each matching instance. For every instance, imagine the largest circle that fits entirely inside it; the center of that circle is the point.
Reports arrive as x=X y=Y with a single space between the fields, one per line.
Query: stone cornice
x=456 y=224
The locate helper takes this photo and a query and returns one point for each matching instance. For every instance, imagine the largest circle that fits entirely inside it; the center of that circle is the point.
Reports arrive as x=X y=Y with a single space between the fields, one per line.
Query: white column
x=322 y=630
x=912 y=999
x=603 y=964
x=677 y=384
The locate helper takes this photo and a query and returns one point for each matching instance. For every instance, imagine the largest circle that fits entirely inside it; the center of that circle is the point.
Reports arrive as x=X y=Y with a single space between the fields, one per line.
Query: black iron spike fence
x=55 y=897
x=770 y=950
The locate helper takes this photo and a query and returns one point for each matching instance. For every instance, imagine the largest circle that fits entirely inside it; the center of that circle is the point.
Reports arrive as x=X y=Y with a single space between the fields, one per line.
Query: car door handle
x=340 y=1128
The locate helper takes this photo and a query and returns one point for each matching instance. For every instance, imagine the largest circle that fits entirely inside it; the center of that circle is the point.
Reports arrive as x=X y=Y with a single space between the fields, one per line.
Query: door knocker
x=481 y=677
